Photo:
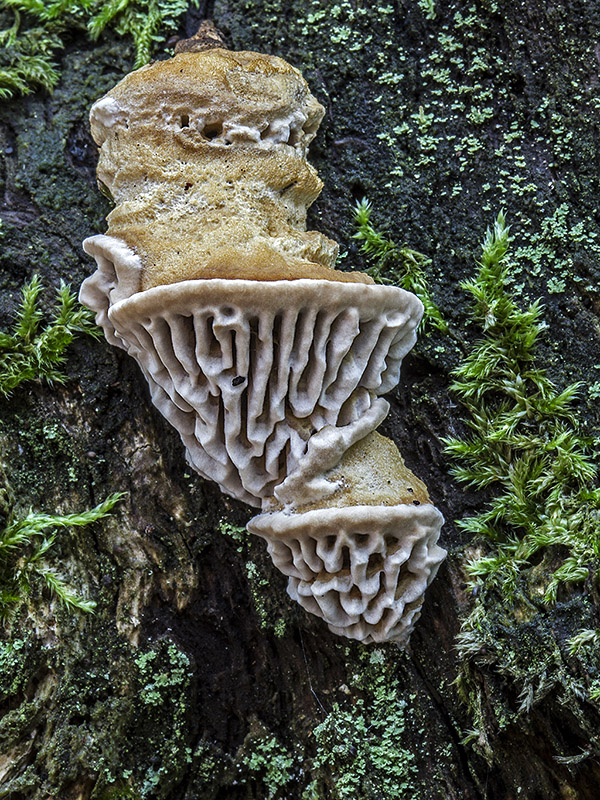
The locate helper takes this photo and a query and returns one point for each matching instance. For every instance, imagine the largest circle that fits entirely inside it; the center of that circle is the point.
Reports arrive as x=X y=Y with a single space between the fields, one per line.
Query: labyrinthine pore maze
x=268 y=361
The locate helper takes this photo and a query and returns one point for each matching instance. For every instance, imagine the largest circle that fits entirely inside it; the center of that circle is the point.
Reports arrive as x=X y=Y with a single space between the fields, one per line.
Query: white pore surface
x=256 y=367
x=246 y=370
x=364 y=570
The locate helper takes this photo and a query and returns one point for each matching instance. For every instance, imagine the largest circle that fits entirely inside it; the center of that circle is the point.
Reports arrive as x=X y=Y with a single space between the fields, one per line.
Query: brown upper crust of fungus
x=233 y=85
x=205 y=158
x=207 y=37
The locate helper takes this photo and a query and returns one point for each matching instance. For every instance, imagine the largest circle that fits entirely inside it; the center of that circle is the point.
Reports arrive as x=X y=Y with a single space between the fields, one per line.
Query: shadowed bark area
x=196 y=677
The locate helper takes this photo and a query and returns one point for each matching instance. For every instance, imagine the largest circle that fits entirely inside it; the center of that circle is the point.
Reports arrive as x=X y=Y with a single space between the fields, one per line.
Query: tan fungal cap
x=205 y=158
x=372 y=473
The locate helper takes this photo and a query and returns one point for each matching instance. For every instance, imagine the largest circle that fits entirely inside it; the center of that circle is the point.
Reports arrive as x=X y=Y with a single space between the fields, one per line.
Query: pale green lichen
x=428 y=8
x=359 y=751
x=266 y=603
x=263 y=760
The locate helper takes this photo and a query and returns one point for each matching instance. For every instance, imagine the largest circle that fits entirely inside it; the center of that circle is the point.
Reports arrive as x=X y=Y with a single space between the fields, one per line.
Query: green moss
x=48 y=454
x=145 y=21
x=26 y=62
x=537 y=538
x=398 y=265
x=31 y=353
x=25 y=545
x=35 y=36
x=524 y=442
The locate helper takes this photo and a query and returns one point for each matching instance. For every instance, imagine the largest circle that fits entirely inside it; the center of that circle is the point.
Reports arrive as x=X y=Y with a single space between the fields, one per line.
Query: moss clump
x=24 y=548
x=30 y=352
x=396 y=265
x=537 y=538
x=36 y=34
x=143 y=20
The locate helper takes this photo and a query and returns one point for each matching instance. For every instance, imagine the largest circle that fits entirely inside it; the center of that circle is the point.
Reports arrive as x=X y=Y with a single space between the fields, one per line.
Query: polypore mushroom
x=268 y=361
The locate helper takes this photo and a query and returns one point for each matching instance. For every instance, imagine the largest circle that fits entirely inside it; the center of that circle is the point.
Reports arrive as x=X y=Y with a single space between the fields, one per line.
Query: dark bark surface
x=197 y=677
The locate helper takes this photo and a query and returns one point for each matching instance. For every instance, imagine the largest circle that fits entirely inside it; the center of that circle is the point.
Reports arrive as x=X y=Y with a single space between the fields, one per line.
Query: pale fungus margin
x=268 y=361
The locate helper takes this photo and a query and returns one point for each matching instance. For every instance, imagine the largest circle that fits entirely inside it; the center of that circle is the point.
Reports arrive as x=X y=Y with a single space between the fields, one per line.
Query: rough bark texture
x=196 y=677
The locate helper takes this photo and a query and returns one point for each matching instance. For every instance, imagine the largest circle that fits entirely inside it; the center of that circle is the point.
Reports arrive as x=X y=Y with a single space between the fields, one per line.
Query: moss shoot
x=536 y=544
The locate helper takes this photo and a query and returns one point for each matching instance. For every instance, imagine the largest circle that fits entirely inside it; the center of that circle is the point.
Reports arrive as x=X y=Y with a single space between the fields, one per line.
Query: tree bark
x=197 y=677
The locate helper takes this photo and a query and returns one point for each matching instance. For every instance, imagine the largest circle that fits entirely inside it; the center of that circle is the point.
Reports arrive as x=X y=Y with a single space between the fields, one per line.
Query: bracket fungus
x=268 y=361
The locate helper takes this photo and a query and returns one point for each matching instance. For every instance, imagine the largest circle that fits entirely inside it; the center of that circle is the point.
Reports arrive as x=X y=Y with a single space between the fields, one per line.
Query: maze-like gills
x=363 y=569
x=247 y=371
